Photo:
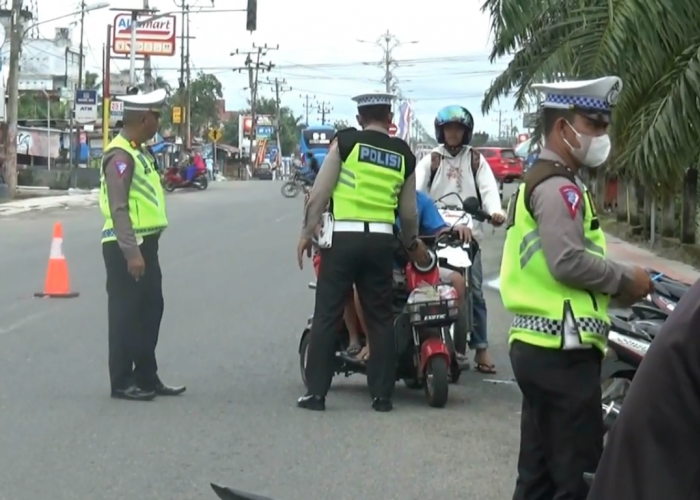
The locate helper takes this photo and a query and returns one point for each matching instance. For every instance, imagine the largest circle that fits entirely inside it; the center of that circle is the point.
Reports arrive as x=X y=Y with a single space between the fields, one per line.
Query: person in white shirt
x=455 y=167
x=210 y=168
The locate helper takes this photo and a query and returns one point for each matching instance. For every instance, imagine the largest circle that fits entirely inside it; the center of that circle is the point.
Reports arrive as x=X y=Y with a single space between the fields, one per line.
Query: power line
x=324 y=109
x=307 y=106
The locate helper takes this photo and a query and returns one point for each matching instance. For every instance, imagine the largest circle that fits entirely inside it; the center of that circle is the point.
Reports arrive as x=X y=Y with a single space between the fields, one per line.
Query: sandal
x=353 y=350
x=484 y=368
x=363 y=355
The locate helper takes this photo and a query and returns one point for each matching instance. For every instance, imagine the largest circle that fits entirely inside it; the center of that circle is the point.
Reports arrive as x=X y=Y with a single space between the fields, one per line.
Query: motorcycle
x=424 y=311
x=295 y=185
x=173 y=179
x=458 y=257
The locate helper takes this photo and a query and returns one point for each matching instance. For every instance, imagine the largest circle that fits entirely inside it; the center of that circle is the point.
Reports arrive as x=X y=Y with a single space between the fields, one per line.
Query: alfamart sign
x=153 y=38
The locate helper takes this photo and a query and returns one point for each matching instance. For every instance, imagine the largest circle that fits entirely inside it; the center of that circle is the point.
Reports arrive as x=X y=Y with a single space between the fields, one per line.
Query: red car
x=505 y=165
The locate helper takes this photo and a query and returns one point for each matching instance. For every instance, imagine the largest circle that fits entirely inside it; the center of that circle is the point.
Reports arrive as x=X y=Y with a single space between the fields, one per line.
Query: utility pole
x=188 y=83
x=324 y=109
x=280 y=88
x=16 y=35
x=254 y=66
x=184 y=9
x=82 y=36
x=307 y=106
x=388 y=42
x=147 y=71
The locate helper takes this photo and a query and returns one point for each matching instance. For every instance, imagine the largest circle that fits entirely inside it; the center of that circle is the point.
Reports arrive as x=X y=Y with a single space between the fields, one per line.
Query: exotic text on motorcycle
x=430 y=324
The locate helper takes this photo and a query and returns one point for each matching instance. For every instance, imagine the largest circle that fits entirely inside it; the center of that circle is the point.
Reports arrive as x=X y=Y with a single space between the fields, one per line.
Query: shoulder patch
x=121 y=167
x=572 y=199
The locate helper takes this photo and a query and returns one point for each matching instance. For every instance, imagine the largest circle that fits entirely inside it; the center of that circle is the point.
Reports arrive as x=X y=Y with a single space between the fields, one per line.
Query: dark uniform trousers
x=365 y=260
x=135 y=309
x=561 y=426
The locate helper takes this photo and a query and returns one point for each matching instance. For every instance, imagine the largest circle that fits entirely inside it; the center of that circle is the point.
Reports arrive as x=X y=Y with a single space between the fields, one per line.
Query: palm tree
x=653 y=45
x=157 y=83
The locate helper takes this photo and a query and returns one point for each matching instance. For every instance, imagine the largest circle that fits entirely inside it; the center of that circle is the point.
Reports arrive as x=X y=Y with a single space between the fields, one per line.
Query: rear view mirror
x=471 y=205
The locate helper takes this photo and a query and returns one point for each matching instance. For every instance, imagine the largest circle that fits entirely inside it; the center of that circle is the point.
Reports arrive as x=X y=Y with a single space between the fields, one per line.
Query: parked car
x=263 y=172
x=506 y=166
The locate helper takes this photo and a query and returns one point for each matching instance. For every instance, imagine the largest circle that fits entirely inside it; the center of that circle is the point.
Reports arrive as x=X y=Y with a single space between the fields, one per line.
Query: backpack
x=436 y=159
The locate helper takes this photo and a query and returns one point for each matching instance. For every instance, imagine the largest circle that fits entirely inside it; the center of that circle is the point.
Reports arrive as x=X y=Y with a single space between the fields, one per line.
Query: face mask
x=594 y=150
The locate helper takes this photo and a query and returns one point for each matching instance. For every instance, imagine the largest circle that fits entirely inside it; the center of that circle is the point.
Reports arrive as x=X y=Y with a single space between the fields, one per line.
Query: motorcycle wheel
x=437 y=382
x=290 y=189
x=202 y=183
x=169 y=187
x=461 y=329
x=303 y=357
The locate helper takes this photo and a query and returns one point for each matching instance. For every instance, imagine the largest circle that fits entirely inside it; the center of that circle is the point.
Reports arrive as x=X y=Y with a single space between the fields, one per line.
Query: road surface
x=235 y=307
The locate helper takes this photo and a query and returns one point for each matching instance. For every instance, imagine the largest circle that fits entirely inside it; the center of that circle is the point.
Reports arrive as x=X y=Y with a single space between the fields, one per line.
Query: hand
x=420 y=254
x=304 y=245
x=641 y=286
x=462 y=232
x=497 y=219
x=136 y=266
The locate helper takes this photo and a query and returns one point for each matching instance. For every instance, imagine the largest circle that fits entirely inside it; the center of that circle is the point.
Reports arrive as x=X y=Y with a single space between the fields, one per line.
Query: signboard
x=215 y=134
x=177 y=114
x=392 y=130
x=116 y=110
x=264 y=131
x=118 y=84
x=529 y=120
x=85 y=106
x=153 y=38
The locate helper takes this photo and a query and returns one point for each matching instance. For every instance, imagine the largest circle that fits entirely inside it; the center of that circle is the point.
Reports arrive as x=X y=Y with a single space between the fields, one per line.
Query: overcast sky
x=319 y=53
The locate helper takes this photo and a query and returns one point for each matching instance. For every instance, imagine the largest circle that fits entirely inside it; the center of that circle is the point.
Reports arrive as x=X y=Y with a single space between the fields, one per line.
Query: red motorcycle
x=173 y=179
x=424 y=310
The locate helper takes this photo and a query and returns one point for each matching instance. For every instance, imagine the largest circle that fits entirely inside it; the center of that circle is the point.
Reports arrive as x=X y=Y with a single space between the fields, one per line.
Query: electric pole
x=254 y=66
x=82 y=36
x=388 y=42
x=188 y=83
x=307 y=106
x=16 y=36
x=280 y=88
x=147 y=71
x=324 y=109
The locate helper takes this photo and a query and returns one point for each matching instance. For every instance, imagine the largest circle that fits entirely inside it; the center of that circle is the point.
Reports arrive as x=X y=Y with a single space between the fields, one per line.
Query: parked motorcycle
x=173 y=179
x=295 y=185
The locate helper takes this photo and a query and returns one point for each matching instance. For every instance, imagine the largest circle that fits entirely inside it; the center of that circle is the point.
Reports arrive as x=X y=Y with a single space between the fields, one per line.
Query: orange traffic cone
x=57 y=284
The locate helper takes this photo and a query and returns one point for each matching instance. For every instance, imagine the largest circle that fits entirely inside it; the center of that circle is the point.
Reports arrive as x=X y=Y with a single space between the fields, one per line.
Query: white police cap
x=153 y=101
x=596 y=97
x=374 y=99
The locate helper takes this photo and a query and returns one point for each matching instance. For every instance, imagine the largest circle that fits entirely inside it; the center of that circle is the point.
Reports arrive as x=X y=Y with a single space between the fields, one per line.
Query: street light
x=16 y=36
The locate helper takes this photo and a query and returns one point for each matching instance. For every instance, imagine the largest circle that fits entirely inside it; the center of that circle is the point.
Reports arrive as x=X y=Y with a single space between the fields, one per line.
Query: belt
x=346 y=226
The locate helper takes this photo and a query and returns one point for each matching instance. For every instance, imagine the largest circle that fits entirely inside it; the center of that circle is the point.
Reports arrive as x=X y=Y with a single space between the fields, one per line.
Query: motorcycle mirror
x=471 y=205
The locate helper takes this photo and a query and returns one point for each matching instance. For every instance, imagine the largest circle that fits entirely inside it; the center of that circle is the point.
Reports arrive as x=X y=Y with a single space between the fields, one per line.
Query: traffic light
x=252 y=15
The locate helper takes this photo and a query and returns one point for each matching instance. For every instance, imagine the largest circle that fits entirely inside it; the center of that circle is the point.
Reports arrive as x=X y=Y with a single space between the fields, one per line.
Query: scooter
x=172 y=180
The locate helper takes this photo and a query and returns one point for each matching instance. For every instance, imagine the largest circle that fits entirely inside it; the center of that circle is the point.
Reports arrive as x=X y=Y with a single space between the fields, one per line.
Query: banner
x=405 y=118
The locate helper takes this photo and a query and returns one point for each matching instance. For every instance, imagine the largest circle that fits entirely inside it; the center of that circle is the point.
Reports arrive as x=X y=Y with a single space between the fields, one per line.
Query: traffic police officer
x=557 y=280
x=367 y=176
x=133 y=205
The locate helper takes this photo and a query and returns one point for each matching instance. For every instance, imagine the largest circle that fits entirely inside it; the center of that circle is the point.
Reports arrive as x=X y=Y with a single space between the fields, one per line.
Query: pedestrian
x=557 y=280
x=210 y=168
x=367 y=176
x=133 y=205
x=652 y=450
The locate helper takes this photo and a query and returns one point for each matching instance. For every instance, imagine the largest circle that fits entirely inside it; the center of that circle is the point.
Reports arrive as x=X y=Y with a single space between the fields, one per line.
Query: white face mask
x=593 y=151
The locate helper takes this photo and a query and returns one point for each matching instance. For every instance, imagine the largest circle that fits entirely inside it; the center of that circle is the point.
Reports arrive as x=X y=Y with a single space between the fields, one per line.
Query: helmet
x=454 y=114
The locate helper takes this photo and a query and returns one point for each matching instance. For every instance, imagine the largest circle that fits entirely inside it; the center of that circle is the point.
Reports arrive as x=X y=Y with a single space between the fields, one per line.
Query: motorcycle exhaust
x=610 y=413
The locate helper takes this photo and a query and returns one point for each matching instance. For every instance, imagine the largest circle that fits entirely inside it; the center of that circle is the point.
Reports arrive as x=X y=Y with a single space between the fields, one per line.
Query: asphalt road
x=235 y=307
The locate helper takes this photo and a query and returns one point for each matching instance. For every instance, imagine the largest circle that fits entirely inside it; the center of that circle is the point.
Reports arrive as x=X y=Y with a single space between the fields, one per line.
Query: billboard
x=153 y=38
x=246 y=131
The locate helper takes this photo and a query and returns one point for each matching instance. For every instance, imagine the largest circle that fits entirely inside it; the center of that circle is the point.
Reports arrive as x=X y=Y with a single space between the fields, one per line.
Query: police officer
x=133 y=205
x=557 y=280
x=367 y=176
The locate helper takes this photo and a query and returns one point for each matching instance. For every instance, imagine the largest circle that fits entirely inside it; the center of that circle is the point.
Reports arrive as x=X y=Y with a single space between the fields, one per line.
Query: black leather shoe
x=311 y=402
x=165 y=390
x=133 y=393
x=382 y=404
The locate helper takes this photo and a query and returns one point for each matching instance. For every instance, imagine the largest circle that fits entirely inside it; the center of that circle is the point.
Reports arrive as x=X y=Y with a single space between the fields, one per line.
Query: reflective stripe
x=556 y=326
x=109 y=233
x=531 y=244
x=347 y=173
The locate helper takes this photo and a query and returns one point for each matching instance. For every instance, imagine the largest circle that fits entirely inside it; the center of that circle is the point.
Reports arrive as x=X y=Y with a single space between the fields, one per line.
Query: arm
x=423 y=174
x=488 y=187
x=119 y=170
x=321 y=192
x=560 y=226
x=408 y=211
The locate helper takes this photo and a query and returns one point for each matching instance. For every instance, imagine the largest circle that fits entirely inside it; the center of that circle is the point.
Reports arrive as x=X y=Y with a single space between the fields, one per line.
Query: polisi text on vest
x=380 y=157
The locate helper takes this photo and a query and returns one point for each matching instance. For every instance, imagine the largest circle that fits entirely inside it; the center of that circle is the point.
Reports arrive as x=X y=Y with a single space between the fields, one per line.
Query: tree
x=91 y=80
x=479 y=139
x=656 y=120
x=341 y=124
x=229 y=133
x=205 y=91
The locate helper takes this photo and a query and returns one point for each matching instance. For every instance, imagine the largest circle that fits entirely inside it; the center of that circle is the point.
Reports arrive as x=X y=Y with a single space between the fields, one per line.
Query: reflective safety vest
x=370 y=181
x=549 y=313
x=146 y=196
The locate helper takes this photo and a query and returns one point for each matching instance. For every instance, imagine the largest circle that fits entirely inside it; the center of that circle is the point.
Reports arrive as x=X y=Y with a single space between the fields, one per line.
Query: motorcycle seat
x=675 y=289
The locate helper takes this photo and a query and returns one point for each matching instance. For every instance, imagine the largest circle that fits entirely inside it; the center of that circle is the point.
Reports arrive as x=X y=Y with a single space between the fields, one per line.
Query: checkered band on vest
x=555 y=326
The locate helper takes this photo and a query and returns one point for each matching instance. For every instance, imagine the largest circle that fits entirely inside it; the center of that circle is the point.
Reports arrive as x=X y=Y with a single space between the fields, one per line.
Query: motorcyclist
x=455 y=167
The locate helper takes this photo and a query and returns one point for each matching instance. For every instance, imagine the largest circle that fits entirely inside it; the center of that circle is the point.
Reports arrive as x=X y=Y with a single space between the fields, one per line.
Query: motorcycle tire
x=437 y=382
x=169 y=187
x=303 y=356
x=462 y=329
x=290 y=189
x=202 y=183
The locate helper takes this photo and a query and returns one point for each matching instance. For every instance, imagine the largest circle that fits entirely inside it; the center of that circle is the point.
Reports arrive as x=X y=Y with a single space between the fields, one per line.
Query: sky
x=328 y=53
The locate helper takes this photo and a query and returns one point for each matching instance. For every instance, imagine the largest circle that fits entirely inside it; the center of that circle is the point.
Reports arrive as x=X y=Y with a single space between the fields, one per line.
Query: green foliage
x=479 y=139
x=653 y=45
x=33 y=106
x=229 y=133
x=341 y=124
